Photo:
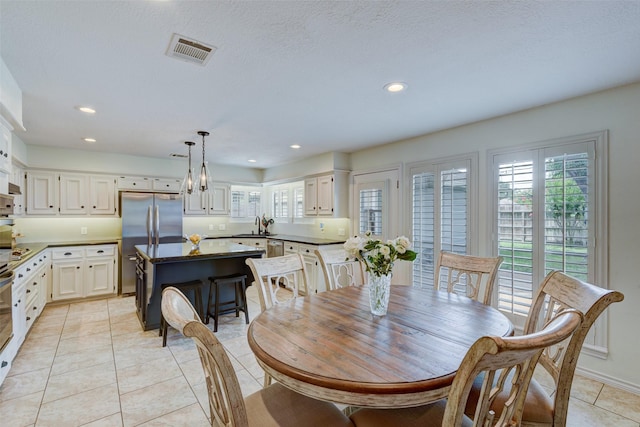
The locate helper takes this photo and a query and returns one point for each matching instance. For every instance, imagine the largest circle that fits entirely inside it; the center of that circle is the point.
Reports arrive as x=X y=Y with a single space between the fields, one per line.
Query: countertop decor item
x=266 y=222
x=195 y=240
x=378 y=258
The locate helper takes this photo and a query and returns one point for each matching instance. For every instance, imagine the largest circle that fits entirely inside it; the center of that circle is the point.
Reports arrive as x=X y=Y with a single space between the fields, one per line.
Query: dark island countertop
x=209 y=249
x=286 y=237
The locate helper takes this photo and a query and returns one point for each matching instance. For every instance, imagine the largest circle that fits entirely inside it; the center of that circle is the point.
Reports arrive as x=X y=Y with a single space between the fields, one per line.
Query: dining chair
x=274 y=274
x=557 y=292
x=506 y=365
x=275 y=405
x=474 y=276
x=339 y=269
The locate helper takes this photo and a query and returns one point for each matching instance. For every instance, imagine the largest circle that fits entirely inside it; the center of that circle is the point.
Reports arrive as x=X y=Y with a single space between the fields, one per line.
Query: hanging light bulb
x=205 y=175
x=187 y=183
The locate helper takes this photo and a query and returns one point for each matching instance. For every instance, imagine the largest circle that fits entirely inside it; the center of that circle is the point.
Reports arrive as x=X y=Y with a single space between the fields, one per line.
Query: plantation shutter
x=440 y=215
x=371 y=211
x=544 y=221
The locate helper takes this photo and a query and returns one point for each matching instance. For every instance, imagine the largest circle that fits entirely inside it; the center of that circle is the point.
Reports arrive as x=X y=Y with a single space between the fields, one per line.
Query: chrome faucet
x=258 y=222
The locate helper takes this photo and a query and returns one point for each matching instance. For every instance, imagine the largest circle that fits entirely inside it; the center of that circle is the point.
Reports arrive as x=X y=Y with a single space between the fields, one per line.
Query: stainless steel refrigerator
x=147 y=219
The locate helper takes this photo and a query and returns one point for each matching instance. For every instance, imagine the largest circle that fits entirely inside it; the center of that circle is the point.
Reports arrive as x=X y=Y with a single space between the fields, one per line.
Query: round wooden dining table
x=330 y=347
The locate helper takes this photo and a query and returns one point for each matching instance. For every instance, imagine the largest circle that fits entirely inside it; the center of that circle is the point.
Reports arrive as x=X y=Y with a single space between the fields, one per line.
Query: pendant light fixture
x=187 y=183
x=205 y=175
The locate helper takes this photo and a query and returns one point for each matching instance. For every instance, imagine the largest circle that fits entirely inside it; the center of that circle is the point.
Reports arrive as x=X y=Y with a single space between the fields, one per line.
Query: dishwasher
x=275 y=248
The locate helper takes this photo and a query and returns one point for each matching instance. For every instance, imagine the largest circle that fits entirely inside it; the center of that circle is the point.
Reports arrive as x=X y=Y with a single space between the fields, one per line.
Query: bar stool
x=239 y=301
x=194 y=286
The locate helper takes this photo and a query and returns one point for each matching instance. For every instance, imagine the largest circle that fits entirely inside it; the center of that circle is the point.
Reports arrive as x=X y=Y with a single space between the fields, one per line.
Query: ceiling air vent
x=182 y=156
x=189 y=50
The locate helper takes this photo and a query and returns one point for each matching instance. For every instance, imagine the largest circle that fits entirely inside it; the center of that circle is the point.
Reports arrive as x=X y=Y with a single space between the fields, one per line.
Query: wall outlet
x=83 y=230
x=222 y=227
x=340 y=231
x=210 y=227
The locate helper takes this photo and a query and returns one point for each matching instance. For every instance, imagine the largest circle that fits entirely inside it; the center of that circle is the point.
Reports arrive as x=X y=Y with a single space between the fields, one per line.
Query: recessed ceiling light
x=252 y=160
x=87 y=110
x=89 y=139
x=395 y=87
x=295 y=146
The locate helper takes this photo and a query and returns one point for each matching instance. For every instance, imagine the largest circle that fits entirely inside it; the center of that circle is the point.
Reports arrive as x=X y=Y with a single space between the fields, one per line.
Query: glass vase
x=379 y=288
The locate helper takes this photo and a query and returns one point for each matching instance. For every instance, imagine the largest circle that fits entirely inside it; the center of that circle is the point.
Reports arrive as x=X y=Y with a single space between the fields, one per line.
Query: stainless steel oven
x=6 y=323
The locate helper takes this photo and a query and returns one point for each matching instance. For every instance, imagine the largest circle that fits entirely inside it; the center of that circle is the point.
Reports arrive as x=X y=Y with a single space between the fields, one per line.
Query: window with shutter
x=550 y=214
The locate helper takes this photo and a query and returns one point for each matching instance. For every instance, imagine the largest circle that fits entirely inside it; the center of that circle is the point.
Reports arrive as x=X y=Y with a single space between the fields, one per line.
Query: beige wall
x=615 y=110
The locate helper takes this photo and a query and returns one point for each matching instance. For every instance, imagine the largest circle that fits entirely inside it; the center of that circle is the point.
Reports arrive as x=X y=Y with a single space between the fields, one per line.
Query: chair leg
x=216 y=311
x=163 y=331
x=245 y=306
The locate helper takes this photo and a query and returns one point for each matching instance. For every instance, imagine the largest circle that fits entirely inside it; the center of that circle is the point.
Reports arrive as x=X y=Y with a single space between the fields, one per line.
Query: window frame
x=596 y=343
x=471 y=161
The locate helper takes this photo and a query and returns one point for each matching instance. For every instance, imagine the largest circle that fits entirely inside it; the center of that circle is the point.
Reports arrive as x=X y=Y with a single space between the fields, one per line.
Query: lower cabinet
x=83 y=271
x=29 y=296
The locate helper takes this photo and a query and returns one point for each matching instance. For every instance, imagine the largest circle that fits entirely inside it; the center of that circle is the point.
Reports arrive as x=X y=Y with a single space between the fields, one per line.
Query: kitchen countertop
x=209 y=249
x=37 y=247
x=286 y=237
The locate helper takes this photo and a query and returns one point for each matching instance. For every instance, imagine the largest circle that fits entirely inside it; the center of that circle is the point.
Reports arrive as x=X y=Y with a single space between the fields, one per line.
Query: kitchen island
x=178 y=262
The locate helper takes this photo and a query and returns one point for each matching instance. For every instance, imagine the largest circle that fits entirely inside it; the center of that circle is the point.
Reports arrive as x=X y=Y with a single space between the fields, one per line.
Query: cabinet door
x=195 y=204
x=42 y=198
x=166 y=184
x=67 y=279
x=5 y=144
x=219 y=199
x=73 y=192
x=325 y=195
x=102 y=195
x=99 y=276
x=310 y=196
x=134 y=183
x=17 y=177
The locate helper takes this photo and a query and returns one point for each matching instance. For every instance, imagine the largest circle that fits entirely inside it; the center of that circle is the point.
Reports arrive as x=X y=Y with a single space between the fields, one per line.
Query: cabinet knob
x=28 y=269
x=28 y=291
x=20 y=275
x=100 y=251
x=28 y=318
x=91 y=266
x=81 y=207
x=78 y=268
x=94 y=207
x=67 y=253
x=35 y=283
x=4 y=363
x=51 y=206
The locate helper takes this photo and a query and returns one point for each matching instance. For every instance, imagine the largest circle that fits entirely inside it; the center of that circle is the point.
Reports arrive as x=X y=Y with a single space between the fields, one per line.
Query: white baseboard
x=605 y=379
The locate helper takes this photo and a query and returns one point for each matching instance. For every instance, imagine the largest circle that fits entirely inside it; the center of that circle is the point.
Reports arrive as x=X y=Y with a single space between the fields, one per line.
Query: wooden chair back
x=226 y=404
x=507 y=365
x=270 y=274
x=474 y=276
x=559 y=292
x=339 y=269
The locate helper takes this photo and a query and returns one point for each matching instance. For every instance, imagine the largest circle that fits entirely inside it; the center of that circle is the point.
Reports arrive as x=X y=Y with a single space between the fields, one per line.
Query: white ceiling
x=301 y=72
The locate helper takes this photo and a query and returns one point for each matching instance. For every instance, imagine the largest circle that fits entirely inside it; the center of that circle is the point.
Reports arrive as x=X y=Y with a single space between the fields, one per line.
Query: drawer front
x=172 y=185
x=99 y=251
x=291 y=248
x=307 y=250
x=67 y=253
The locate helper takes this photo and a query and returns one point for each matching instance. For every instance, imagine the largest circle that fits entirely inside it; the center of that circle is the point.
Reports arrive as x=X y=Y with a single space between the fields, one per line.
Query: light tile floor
x=90 y=364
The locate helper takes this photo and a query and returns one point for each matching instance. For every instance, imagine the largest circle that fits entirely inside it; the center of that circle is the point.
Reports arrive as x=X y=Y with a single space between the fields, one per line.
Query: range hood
x=14 y=189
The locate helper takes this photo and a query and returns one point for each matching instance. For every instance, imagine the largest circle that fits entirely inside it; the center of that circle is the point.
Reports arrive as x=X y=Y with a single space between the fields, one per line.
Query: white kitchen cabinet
x=5 y=146
x=68 y=268
x=100 y=263
x=134 y=183
x=257 y=242
x=102 y=195
x=170 y=185
x=65 y=193
x=17 y=178
x=73 y=194
x=42 y=194
x=83 y=271
x=214 y=202
x=327 y=195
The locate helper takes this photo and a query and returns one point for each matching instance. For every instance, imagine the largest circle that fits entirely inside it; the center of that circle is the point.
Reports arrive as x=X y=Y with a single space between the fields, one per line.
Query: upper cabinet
x=327 y=195
x=53 y=193
x=215 y=202
x=143 y=183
